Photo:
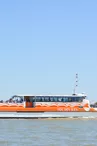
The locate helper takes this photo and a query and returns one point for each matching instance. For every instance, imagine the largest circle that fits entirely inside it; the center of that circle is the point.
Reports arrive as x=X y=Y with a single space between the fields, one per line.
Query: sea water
x=48 y=132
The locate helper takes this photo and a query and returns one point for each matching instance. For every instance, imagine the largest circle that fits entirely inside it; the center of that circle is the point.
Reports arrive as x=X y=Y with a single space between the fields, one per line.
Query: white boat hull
x=33 y=115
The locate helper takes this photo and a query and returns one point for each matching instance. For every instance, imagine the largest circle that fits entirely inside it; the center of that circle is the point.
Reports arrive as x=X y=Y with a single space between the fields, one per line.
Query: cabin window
x=17 y=99
x=65 y=99
x=38 y=99
x=77 y=99
x=42 y=99
x=46 y=99
x=51 y=99
x=74 y=99
x=80 y=99
x=70 y=99
x=55 y=99
x=60 y=99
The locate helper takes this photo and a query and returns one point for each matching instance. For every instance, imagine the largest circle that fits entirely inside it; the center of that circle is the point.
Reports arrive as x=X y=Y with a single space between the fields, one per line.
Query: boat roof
x=72 y=95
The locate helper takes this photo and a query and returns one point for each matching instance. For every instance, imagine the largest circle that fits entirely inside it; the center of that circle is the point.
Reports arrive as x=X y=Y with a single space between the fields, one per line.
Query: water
x=48 y=132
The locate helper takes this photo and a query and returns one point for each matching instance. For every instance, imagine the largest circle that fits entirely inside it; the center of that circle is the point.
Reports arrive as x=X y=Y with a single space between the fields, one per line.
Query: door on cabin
x=29 y=101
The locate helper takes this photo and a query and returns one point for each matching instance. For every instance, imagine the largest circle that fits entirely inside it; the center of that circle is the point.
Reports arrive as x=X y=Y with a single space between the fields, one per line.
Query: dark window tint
x=66 y=99
x=43 y=99
x=51 y=99
x=46 y=99
x=69 y=99
x=38 y=99
x=60 y=99
x=32 y=99
x=55 y=99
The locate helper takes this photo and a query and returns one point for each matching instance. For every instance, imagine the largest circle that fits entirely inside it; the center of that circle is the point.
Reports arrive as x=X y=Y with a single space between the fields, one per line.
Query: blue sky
x=43 y=44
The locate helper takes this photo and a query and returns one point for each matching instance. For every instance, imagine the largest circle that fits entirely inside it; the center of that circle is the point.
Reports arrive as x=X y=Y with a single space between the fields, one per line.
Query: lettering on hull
x=67 y=109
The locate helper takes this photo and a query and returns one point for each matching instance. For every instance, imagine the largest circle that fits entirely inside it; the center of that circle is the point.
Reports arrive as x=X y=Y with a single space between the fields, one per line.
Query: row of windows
x=56 y=99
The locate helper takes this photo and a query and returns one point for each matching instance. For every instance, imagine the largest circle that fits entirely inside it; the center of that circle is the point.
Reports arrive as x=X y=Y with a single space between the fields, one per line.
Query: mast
x=76 y=84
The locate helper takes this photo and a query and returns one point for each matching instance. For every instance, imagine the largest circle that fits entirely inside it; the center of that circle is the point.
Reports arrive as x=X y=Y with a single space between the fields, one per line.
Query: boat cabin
x=30 y=101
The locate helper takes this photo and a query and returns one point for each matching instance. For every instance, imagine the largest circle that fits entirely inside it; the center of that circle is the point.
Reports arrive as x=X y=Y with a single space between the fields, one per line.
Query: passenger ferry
x=48 y=106
x=43 y=106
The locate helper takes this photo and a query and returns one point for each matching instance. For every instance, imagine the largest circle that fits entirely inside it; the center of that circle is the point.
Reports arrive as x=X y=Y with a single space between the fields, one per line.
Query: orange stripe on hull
x=42 y=108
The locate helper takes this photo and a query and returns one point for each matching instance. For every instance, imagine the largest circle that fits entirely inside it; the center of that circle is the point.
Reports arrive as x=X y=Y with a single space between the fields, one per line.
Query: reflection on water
x=48 y=132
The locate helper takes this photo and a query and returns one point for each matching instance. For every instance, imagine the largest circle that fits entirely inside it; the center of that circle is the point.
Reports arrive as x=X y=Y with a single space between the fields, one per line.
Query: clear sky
x=44 y=43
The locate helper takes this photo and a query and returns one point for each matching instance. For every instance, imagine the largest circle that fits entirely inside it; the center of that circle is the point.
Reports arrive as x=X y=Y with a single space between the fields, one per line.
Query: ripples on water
x=48 y=132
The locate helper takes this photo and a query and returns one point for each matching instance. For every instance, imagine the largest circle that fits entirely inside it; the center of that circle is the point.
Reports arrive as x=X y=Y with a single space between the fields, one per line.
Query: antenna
x=76 y=83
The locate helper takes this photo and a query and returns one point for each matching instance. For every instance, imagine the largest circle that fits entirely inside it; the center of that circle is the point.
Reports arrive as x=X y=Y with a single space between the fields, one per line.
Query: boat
x=47 y=106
